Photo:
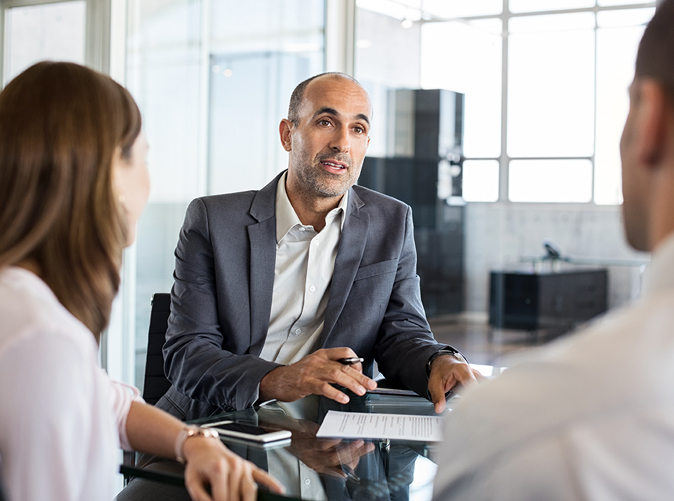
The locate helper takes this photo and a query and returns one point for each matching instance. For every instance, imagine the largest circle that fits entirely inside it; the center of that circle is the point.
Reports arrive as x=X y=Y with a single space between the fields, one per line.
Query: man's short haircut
x=655 y=58
x=298 y=94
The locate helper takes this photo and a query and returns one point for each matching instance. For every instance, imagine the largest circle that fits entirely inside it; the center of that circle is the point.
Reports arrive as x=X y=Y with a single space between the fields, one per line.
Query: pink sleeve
x=121 y=396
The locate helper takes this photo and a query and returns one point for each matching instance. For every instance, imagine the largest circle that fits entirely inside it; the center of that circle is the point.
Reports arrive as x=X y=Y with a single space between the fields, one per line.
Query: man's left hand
x=447 y=372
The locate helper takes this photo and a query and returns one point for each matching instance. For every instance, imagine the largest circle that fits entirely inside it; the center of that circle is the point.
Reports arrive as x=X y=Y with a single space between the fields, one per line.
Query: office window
x=551 y=86
x=213 y=80
x=618 y=36
x=38 y=32
x=567 y=65
x=607 y=3
x=565 y=95
x=462 y=8
x=387 y=57
x=561 y=180
x=466 y=57
x=480 y=180
x=545 y=85
x=520 y=6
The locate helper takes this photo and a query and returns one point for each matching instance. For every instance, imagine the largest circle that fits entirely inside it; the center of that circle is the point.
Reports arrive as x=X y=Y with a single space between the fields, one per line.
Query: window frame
x=504 y=159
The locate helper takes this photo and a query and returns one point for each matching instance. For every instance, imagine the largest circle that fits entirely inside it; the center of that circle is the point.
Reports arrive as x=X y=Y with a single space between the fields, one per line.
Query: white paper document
x=392 y=426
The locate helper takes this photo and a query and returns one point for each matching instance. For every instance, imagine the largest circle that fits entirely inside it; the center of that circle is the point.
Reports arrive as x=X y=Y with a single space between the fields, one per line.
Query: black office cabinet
x=530 y=301
x=428 y=130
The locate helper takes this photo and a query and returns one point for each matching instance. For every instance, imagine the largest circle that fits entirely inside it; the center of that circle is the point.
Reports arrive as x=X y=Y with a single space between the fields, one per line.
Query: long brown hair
x=60 y=126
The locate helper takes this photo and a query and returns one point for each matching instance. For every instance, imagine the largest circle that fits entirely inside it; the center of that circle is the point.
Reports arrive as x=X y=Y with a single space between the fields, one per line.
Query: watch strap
x=445 y=351
x=187 y=432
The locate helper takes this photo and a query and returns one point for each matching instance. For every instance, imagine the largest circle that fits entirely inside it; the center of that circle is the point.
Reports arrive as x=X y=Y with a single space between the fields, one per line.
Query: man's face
x=635 y=213
x=328 y=144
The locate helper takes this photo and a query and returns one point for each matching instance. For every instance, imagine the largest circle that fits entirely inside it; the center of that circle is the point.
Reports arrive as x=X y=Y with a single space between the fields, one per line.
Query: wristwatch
x=191 y=431
x=445 y=351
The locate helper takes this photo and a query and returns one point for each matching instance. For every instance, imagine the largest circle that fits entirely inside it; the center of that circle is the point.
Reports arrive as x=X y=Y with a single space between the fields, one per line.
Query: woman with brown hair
x=73 y=183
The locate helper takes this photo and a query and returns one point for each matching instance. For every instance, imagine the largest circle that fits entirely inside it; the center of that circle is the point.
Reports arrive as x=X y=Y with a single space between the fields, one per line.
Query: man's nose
x=340 y=140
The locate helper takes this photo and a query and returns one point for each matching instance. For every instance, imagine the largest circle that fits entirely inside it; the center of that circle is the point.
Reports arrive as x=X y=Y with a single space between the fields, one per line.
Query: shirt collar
x=286 y=217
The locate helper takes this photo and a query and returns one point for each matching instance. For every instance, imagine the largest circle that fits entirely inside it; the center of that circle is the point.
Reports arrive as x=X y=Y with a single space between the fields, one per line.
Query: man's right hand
x=314 y=375
x=326 y=456
x=330 y=456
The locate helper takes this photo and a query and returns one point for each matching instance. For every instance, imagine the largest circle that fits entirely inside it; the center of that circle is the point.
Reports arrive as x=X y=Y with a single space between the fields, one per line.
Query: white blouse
x=62 y=419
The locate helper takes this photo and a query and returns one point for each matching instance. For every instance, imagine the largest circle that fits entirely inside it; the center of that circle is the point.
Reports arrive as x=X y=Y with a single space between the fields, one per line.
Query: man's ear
x=285 y=131
x=651 y=122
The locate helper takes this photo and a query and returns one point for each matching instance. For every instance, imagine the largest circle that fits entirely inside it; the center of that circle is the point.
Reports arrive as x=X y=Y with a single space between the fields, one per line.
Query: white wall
x=499 y=234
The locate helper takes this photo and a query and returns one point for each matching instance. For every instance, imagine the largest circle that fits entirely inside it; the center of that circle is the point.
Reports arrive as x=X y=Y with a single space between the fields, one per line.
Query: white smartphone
x=248 y=432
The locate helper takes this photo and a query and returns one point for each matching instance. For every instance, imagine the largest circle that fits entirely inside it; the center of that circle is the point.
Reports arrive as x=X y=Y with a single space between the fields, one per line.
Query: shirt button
x=298 y=331
x=312 y=288
x=302 y=228
x=307 y=481
x=316 y=242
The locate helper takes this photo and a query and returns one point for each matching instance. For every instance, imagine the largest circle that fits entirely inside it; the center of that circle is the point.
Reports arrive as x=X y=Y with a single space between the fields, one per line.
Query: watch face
x=457 y=354
x=206 y=432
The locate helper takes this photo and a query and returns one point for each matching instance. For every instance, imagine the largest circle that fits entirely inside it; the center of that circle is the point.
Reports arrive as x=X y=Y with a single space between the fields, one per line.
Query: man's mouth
x=334 y=165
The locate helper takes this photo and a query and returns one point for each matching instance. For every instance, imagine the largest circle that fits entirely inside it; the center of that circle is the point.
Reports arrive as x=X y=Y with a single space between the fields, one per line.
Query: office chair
x=155 y=382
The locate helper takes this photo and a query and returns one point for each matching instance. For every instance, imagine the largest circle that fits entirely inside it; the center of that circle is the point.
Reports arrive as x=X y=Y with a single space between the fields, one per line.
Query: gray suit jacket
x=221 y=299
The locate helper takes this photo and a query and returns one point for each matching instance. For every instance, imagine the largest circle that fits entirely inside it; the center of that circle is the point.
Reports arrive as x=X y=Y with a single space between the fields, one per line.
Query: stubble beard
x=317 y=181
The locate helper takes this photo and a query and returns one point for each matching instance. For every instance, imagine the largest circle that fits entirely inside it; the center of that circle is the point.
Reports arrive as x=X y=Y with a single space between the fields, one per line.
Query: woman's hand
x=230 y=478
x=212 y=472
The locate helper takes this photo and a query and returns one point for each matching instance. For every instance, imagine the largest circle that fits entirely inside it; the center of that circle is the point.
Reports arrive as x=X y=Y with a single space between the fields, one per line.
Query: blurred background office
x=525 y=137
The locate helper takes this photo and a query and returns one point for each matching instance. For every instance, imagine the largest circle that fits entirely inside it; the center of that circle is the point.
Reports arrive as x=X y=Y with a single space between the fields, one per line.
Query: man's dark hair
x=298 y=94
x=655 y=58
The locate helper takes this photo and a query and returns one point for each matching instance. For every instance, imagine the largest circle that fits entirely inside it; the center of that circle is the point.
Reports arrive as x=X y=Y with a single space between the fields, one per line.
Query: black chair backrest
x=156 y=384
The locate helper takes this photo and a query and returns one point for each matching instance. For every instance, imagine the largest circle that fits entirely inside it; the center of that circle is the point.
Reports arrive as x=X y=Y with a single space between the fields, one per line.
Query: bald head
x=298 y=94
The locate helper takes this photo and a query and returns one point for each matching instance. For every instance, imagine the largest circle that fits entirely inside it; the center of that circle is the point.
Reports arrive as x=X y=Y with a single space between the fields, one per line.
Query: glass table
x=314 y=468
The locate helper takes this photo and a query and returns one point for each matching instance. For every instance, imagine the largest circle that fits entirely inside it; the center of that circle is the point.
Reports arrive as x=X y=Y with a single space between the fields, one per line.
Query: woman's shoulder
x=47 y=357
x=32 y=313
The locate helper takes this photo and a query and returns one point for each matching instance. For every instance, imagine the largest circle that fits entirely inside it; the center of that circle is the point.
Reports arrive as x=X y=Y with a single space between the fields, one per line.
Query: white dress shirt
x=300 y=481
x=590 y=416
x=62 y=419
x=305 y=261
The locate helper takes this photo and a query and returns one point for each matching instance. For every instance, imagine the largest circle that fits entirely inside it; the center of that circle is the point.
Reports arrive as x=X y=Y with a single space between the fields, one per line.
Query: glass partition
x=213 y=79
x=34 y=33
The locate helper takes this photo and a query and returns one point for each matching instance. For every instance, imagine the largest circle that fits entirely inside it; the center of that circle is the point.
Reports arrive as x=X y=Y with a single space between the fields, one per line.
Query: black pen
x=351 y=361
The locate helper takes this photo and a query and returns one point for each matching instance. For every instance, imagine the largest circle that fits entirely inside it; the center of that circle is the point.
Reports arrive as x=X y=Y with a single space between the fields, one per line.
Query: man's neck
x=310 y=209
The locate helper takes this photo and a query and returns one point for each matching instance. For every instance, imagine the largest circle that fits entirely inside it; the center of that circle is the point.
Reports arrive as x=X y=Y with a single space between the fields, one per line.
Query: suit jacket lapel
x=350 y=253
x=262 y=241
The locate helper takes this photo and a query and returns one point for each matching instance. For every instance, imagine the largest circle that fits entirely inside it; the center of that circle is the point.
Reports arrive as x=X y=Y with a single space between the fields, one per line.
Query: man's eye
x=359 y=130
x=324 y=122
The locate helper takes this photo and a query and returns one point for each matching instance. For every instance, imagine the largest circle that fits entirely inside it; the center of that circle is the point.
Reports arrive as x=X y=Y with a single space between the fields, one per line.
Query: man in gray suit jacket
x=275 y=288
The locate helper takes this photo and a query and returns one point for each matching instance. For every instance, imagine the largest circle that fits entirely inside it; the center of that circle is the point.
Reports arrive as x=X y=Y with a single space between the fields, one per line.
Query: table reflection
x=320 y=469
